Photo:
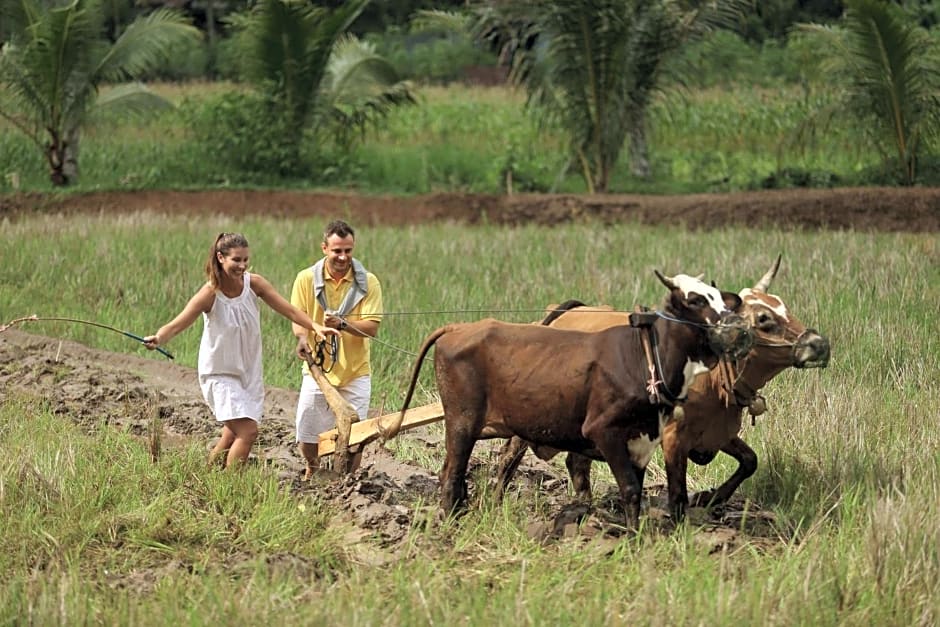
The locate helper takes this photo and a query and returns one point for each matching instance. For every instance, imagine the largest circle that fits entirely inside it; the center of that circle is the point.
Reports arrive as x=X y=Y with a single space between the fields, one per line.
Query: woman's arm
x=201 y=302
x=278 y=303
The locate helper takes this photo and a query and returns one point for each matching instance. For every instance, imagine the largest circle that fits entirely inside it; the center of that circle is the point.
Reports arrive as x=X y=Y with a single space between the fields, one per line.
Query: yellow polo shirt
x=354 y=355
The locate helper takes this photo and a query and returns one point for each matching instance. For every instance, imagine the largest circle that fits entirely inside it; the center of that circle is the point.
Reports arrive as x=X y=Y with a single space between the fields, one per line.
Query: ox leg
x=459 y=445
x=611 y=445
x=747 y=465
x=677 y=462
x=579 y=469
x=510 y=456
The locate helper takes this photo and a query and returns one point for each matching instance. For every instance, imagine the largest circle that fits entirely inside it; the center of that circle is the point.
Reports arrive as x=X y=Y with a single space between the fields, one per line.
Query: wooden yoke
x=345 y=417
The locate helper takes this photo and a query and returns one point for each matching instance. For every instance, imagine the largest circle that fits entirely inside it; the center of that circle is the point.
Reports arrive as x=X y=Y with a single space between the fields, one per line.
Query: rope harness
x=322 y=352
x=746 y=395
x=642 y=318
x=659 y=393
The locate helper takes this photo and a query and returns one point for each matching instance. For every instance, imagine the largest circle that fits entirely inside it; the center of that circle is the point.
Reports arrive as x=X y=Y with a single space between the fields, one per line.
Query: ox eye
x=698 y=301
x=765 y=321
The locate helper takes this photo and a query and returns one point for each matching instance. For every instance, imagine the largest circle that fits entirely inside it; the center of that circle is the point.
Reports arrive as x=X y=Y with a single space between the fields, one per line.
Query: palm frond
x=355 y=68
x=131 y=100
x=437 y=20
x=289 y=43
x=887 y=68
x=361 y=88
x=145 y=44
x=48 y=70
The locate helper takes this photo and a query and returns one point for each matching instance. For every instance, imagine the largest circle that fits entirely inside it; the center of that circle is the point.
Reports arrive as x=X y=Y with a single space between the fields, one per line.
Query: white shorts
x=314 y=415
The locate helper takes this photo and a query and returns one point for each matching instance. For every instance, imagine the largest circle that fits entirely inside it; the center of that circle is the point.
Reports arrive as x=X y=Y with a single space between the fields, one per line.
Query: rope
x=35 y=318
x=323 y=352
x=666 y=316
x=491 y=311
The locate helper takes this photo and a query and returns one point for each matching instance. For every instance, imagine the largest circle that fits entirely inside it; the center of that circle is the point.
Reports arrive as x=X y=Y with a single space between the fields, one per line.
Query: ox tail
x=387 y=432
x=556 y=311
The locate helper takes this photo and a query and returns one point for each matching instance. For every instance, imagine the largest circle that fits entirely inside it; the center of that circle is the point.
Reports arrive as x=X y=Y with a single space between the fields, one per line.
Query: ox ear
x=667 y=281
x=732 y=301
x=764 y=284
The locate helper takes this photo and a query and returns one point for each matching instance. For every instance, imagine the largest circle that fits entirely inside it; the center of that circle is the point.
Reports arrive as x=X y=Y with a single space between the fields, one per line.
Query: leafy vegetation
x=312 y=83
x=591 y=70
x=887 y=67
x=58 y=57
x=715 y=114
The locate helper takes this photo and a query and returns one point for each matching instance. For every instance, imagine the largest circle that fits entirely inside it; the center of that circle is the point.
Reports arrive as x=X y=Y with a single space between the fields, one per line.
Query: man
x=339 y=293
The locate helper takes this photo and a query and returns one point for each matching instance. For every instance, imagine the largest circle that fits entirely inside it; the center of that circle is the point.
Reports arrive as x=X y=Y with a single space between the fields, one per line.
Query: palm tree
x=592 y=66
x=316 y=75
x=56 y=60
x=888 y=71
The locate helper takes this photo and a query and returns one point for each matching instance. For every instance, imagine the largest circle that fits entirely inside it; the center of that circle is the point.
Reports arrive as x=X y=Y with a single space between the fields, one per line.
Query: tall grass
x=465 y=139
x=849 y=456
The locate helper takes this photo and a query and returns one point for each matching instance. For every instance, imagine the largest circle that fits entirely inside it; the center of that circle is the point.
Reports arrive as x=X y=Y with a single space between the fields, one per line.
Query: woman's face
x=235 y=263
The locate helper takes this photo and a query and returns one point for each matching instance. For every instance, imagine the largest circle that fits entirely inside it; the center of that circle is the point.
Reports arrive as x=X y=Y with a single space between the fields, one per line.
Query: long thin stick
x=35 y=318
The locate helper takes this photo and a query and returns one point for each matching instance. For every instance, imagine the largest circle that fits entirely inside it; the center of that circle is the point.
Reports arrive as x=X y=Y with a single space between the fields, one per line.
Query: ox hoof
x=705 y=499
x=677 y=511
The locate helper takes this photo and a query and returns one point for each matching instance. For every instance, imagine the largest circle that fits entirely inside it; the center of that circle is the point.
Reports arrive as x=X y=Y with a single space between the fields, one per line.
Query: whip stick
x=35 y=318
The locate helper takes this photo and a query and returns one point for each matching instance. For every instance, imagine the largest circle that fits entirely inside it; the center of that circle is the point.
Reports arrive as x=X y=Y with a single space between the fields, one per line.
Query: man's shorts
x=314 y=415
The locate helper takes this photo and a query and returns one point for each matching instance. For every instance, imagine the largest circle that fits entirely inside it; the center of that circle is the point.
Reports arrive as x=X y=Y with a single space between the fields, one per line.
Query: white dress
x=230 y=372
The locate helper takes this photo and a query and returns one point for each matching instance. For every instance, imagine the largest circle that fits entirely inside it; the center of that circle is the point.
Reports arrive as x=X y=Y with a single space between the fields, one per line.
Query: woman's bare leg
x=246 y=432
x=226 y=439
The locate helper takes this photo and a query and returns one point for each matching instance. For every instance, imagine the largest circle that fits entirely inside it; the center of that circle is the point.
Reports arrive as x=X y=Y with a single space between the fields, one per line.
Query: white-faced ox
x=711 y=418
x=575 y=391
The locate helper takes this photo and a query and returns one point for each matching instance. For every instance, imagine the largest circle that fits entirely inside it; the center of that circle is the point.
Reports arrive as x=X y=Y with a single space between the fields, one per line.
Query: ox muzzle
x=811 y=350
x=732 y=336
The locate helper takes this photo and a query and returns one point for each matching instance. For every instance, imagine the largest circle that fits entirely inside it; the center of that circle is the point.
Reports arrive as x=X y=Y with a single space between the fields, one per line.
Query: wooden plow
x=350 y=431
x=367 y=431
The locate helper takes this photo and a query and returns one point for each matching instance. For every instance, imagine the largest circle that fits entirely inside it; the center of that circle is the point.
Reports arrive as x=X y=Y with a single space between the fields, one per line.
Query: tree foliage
x=57 y=58
x=315 y=76
x=888 y=71
x=593 y=66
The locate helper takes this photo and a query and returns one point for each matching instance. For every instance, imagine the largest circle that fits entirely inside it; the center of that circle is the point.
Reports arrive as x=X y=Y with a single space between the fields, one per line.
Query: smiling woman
x=230 y=370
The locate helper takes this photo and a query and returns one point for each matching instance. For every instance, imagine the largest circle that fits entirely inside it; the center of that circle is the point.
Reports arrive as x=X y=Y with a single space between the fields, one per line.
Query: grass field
x=464 y=139
x=850 y=455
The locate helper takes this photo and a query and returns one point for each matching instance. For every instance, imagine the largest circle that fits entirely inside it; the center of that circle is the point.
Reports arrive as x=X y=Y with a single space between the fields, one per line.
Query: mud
x=860 y=209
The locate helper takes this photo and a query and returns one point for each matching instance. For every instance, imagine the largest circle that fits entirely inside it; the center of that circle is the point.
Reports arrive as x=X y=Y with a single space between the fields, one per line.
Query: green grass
x=462 y=139
x=849 y=456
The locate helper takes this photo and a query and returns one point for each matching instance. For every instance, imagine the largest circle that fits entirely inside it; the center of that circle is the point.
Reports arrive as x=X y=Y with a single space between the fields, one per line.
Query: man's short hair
x=338 y=227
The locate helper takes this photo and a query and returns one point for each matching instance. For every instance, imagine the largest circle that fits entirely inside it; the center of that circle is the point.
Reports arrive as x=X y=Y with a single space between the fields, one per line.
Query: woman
x=230 y=371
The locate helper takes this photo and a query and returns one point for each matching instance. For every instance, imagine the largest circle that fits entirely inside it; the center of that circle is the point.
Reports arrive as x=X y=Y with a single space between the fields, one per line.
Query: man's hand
x=303 y=349
x=333 y=321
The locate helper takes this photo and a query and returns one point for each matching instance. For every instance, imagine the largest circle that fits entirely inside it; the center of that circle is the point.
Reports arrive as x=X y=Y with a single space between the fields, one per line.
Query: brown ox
x=575 y=391
x=711 y=420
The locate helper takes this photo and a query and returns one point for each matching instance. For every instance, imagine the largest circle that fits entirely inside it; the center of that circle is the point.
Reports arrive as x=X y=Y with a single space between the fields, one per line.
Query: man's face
x=338 y=251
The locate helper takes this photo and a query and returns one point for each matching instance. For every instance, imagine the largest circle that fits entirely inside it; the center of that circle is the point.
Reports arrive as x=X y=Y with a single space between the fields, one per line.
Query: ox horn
x=667 y=281
x=764 y=284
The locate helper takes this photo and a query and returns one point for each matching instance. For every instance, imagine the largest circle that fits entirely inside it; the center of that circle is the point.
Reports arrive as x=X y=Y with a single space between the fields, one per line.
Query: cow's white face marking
x=688 y=284
x=750 y=297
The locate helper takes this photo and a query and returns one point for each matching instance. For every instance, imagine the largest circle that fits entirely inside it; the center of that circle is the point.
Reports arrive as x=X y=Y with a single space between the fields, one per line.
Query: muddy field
x=98 y=388
x=861 y=209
